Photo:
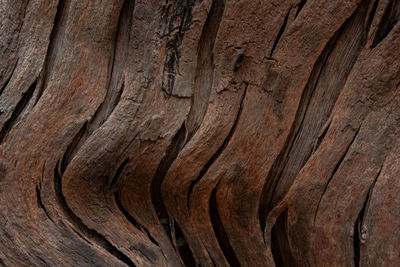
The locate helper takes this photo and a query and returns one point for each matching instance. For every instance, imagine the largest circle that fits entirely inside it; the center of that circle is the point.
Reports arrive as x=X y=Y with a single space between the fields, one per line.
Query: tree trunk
x=199 y=132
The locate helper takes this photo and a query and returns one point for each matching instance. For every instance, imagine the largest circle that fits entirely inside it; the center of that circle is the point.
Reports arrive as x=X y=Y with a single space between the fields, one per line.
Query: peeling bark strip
x=79 y=226
x=90 y=88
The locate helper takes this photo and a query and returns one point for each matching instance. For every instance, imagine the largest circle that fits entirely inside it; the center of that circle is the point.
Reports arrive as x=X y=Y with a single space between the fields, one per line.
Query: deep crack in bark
x=219 y=230
x=338 y=164
x=359 y=228
x=280 y=33
x=26 y=96
x=219 y=150
x=89 y=233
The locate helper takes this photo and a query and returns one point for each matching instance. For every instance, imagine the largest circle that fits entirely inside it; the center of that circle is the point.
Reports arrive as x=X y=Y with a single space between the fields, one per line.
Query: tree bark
x=199 y=132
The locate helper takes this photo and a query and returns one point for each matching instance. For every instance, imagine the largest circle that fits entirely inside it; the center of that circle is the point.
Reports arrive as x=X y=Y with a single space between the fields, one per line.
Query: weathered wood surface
x=209 y=132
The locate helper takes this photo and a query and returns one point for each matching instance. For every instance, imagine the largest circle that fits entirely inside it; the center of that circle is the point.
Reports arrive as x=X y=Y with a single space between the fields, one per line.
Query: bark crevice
x=19 y=108
x=219 y=150
x=337 y=167
x=77 y=223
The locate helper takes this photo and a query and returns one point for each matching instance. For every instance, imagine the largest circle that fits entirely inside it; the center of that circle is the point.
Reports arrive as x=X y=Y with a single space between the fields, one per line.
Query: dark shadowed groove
x=17 y=111
x=115 y=82
x=300 y=7
x=219 y=150
x=170 y=155
x=112 y=96
x=371 y=17
x=72 y=147
x=280 y=164
x=338 y=164
x=280 y=247
x=117 y=175
x=9 y=78
x=182 y=246
x=40 y=203
x=280 y=33
x=50 y=50
x=89 y=233
x=219 y=231
x=132 y=220
x=389 y=19
x=204 y=69
x=322 y=136
x=359 y=222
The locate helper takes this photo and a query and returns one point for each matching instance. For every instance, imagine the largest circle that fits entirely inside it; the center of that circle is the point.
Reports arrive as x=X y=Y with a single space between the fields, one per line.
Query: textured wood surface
x=199 y=132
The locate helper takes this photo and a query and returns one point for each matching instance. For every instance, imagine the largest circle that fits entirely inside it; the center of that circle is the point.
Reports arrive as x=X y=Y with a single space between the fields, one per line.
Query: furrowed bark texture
x=199 y=133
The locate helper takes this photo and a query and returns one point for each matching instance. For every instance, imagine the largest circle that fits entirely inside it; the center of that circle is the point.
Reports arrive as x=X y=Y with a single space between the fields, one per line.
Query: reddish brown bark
x=199 y=132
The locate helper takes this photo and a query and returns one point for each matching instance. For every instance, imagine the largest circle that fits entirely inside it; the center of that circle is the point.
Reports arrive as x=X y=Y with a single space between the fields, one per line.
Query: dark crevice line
x=358 y=225
x=338 y=164
x=389 y=19
x=280 y=246
x=27 y=95
x=279 y=165
x=182 y=246
x=371 y=17
x=170 y=155
x=91 y=234
x=111 y=99
x=219 y=150
x=132 y=220
x=209 y=255
x=322 y=136
x=115 y=82
x=280 y=33
x=204 y=69
x=9 y=78
x=300 y=7
x=281 y=161
x=40 y=203
x=270 y=182
x=72 y=147
x=117 y=175
x=51 y=48
x=81 y=236
x=220 y=232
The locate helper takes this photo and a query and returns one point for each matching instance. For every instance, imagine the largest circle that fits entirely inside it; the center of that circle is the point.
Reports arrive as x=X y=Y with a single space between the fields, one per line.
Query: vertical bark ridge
x=303 y=137
x=51 y=50
x=219 y=151
x=77 y=223
x=205 y=68
x=337 y=167
x=219 y=230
